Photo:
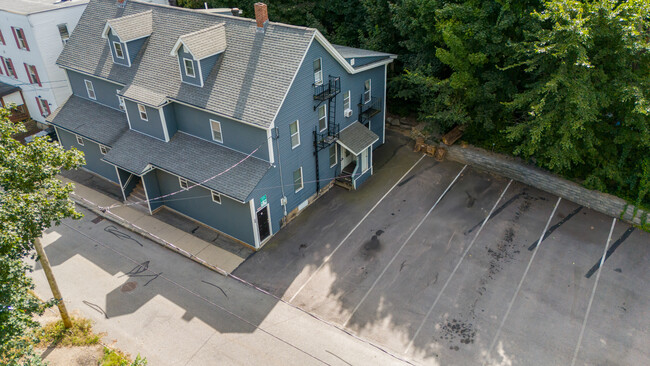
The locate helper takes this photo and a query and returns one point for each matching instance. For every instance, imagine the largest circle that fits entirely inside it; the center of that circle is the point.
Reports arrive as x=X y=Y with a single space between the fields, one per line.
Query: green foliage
x=117 y=358
x=55 y=334
x=31 y=200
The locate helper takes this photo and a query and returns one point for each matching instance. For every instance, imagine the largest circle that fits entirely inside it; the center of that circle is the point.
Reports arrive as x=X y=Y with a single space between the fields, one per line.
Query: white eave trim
x=338 y=57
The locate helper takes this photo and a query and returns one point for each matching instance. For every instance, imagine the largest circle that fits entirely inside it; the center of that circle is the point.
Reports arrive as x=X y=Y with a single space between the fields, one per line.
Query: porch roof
x=7 y=89
x=210 y=165
x=356 y=138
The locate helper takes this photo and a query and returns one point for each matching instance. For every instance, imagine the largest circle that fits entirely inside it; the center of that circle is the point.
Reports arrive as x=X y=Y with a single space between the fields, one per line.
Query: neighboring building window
x=118 y=50
x=120 y=100
x=322 y=117
x=80 y=140
x=143 y=112
x=346 y=101
x=183 y=183
x=2 y=39
x=216 y=130
x=295 y=134
x=21 y=41
x=189 y=67
x=104 y=149
x=318 y=71
x=43 y=106
x=216 y=197
x=63 y=32
x=364 y=160
x=333 y=155
x=9 y=68
x=32 y=74
x=297 y=180
x=90 y=89
x=366 y=91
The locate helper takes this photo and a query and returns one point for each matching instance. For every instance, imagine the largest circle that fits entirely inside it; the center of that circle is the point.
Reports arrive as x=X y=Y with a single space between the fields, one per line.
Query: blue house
x=236 y=123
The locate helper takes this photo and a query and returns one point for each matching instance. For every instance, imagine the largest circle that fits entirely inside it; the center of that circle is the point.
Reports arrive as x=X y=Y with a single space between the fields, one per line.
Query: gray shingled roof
x=6 y=89
x=206 y=42
x=356 y=138
x=191 y=158
x=144 y=95
x=131 y=27
x=249 y=84
x=349 y=52
x=90 y=120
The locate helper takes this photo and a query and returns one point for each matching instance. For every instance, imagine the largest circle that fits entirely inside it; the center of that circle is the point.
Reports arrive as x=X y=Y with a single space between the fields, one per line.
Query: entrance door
x=263 y=223
x=346 y=157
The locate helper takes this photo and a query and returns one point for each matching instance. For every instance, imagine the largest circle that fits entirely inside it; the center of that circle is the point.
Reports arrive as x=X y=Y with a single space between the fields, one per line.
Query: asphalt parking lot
x=445 y=264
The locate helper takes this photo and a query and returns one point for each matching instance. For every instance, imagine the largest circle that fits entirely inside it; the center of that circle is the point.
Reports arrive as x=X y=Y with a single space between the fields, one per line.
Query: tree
x=32 y=199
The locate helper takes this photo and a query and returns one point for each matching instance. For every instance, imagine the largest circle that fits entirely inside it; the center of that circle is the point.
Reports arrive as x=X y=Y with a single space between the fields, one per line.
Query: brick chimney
x=121 y=3
x=261 y=16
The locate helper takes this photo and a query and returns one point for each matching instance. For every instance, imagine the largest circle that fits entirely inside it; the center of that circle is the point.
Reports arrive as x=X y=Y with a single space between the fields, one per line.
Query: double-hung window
x=295 y=134
x=43 y=106
x=183 y=183
x=366 y=91
x=32 y=74
x=120 y=100
x=333 y=155
x=346 y=101
x=63 y=32
x=118 y=50
x=90 y=89
x=318 y=71
x=189 y=67
x=297 y=180
x=216 y=130
x=21 y=41
x=216 y=197
x=322 y=117
x=143 y=112
x=9 y=68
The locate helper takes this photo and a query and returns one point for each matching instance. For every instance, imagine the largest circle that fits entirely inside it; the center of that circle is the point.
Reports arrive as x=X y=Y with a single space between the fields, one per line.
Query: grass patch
x=118 y=358
x=55 y=334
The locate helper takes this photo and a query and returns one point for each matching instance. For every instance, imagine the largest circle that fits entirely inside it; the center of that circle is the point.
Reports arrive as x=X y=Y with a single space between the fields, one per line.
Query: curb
x=129 y=226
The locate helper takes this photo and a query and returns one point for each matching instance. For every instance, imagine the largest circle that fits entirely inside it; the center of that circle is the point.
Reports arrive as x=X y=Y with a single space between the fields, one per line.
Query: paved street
x=176 y=312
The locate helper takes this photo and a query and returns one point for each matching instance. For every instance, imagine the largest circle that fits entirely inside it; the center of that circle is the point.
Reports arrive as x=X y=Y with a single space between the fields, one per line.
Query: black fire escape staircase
x=369 y=109
x=326 y=93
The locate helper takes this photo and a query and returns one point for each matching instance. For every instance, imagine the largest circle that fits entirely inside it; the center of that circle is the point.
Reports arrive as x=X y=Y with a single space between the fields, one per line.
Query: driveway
x=173 y=311
x=445 y=264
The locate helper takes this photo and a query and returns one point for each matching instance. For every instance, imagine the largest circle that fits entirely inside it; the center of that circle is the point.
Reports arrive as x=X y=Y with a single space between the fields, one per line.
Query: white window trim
x=302 y=182
x=185 y=60
x=64 y=40
x=21 y=40
x=140 y=111
x=116 y=43
x=367 y=160
x=80 y=140
x=346 y=96
x=369 y=91
x=220 y=131
x=336 y=156
x=324 y=106
x=120 y=101
x=104 y=149
x=183 y=182
x=90 y=87
x=319 y=72
x=216 y=194
x=297 y=122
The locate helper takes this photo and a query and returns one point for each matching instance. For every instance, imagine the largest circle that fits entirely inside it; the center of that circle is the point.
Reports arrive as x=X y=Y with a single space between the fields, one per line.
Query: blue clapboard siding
x=299 y=105
x=134 y=47
x=271 y=187
x=230 y=217
x=235 y=135
x=128 y=185
x=105 y=92
x=207 y=64
x=153 y=189
x=360 y=61
x=152 y=126
x=170 y=119
x=121 y=61
x=91 y=153
x=194 y=80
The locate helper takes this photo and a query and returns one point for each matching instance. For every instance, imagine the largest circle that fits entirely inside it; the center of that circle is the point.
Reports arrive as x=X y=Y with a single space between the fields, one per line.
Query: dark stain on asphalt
x=555 y=227
x=470 y=200
x=371 y=247
x=386 y=160
x=129 y=286
x=97 y=219
x=498 y=210
x=195 y=229
x=458 y=330
x=406 y=180
x=96 y=307
x=618 y=270
x=610 y=251
x=379 y=232
x=120 y=235
x=220 y=289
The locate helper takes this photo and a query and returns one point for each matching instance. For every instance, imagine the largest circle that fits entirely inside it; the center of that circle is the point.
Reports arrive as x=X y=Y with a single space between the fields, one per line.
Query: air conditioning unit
x=347 y=112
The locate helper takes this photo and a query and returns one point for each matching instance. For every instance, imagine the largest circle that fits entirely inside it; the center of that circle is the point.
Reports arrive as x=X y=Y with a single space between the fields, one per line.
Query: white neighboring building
x=32 y=34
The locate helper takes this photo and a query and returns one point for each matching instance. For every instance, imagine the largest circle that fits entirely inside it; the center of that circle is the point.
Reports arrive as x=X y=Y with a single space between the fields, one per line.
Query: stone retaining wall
x=545 y=181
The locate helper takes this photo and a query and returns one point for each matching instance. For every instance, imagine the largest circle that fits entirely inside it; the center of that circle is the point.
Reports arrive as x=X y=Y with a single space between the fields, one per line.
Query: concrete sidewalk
x=186 y=244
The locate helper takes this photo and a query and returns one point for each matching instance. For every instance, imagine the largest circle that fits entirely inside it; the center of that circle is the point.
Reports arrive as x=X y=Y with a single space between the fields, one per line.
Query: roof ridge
x=212 y=27
x=132 y=15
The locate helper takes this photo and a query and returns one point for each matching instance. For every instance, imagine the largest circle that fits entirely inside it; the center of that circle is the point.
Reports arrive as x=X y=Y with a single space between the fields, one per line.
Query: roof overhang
x=341 y=60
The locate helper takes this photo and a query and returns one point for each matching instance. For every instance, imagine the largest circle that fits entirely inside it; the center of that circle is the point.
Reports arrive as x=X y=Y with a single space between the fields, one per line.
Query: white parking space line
x=521 y=282
x=403 y=245
x=593 y=293
x=329 y=256
x=435 y=302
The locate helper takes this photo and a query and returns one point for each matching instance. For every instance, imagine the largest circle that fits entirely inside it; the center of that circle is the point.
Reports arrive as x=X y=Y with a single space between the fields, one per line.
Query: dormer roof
x=203 y=43
x=130 y=27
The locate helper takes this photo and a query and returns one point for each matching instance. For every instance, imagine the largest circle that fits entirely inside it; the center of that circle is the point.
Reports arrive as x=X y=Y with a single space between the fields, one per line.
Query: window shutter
x=13 y=30
x=2 y=38
x=29 y=76
x=47 y=107
x=38 y=102
x=25 y=40
x=13 y=68
x=38 y=79
x=2 y=59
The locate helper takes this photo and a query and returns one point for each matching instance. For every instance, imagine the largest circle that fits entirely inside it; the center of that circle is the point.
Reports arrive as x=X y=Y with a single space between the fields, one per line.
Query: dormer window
x=189 y=67
x=143 y=112
x=118 y=50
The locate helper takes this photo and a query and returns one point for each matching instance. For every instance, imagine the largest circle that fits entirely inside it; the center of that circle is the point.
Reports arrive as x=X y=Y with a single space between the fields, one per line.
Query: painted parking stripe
x=593 y=293
x=521 y=282
x=435 y=302
x=402 y=247
x=329 y=256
